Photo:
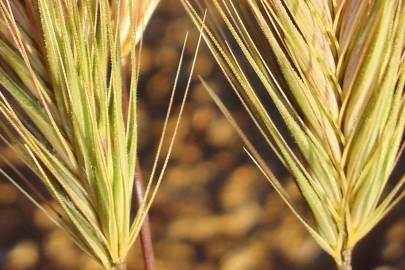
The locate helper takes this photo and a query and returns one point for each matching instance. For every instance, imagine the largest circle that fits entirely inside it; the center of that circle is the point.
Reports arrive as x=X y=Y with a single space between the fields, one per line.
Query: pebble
x=24 y=255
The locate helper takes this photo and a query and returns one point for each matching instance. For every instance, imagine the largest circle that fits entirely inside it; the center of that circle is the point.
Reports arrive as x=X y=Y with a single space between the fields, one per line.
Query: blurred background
x=214 y=210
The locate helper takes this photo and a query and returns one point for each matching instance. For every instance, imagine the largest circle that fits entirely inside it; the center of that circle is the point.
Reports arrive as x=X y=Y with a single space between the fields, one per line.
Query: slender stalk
x=347 y=260
x=121 y=266
x=145 y=234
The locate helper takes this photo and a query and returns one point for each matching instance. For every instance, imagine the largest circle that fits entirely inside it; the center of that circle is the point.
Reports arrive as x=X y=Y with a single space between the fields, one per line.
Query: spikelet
x=335 y=72
x=61 y=110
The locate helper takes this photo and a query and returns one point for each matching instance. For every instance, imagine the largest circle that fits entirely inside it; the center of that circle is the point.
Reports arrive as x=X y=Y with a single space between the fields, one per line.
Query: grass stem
x=121 y=266
x=145 y=234
x=347 y=260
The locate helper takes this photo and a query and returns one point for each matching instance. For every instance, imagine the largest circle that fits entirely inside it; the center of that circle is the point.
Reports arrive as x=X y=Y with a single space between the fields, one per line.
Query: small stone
x=174 y=250
x=240 y=187
x=240 y=221
x=236 y=223
x=185 y=153
x=172 y=264
x=58 y=241
x=247 y=258
x=202 y=118
x=23 y=256
x=220 y=133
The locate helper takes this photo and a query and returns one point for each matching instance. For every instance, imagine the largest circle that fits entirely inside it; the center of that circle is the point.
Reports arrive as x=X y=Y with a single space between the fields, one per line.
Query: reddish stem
x=145 y=234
